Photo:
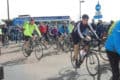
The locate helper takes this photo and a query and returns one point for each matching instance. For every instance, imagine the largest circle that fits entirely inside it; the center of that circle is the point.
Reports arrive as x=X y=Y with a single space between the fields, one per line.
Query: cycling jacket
x=112 y=42
x=29 y=29
x=83 y=30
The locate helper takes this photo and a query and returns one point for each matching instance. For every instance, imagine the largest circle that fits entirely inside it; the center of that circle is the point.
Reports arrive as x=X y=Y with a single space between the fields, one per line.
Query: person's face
x=32 y=22
x=65 y=24
x=85 y=21
x=40 y=23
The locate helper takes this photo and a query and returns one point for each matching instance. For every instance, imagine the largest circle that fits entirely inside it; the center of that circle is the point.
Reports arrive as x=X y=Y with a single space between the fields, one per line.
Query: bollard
x=1 y=72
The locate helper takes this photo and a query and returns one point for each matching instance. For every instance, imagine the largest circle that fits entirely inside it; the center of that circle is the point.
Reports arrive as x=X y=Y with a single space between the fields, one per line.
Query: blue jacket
x=100 y=29
x=63 y=30
x=112 y=42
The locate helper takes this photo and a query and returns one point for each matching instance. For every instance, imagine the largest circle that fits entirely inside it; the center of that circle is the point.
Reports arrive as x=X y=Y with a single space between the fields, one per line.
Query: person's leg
x=114 y=62
x=76 y=51
x=76 y=40
x=16 y=38
x=46 y=37
x=26 y=42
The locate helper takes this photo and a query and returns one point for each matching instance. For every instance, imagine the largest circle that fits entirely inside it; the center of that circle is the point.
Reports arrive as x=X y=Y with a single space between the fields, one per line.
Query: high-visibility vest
x=111 y=28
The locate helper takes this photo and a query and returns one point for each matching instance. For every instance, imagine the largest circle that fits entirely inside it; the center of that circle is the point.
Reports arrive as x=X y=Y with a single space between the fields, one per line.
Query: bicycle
x=91 y=58
x=51 y=42
x=34 y=45
x=64 y=43
x=101 y=50
x=5 y=40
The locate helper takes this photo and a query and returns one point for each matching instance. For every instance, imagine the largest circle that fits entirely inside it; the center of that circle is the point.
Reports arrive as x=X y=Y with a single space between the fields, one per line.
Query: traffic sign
x=98 y=16
x=98 y=7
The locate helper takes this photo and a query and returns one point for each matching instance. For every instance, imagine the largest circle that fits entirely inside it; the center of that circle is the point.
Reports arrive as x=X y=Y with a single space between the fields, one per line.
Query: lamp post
x=80 y=7
x=8 y=12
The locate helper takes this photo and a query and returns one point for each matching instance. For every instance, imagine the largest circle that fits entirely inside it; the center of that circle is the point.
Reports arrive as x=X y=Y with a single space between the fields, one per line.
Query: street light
x=8 y=13
x=80 y=7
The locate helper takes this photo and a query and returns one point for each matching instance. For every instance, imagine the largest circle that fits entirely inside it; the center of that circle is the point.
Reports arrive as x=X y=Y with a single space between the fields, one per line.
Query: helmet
x=31 y=19
x=85 y=16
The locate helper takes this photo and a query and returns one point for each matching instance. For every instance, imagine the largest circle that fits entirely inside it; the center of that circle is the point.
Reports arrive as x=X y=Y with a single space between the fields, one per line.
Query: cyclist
x=63 y=30
x=71 y=26
x=100 y=29
x=29 y=28
x=81 y=31
x=93 y=24
x=111 y=27
x=4 y=34
x=113 y=49
x=43 y=30
x=54 y=31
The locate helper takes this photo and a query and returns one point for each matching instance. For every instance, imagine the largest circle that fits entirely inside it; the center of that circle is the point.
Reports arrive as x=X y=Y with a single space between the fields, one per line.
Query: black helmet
x=85 y=16
x=31 y=19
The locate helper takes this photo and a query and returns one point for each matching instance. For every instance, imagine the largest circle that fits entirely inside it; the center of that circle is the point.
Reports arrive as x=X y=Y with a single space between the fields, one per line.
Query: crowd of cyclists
x=15 y=33
x=78 y=31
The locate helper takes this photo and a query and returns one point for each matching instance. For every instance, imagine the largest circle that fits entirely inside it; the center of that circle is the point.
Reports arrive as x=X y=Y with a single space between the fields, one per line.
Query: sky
x=109 y=8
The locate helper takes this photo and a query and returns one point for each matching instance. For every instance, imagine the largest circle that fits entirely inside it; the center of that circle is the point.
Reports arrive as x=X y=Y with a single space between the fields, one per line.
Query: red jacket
x=43 y=29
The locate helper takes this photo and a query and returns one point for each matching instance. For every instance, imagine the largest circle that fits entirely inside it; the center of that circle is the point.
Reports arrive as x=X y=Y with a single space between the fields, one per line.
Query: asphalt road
x=51 y=67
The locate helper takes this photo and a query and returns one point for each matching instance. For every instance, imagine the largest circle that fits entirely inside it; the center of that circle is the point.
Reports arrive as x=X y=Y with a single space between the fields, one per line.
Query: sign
x=98 y=14
x=98 y=17
x=98 y=7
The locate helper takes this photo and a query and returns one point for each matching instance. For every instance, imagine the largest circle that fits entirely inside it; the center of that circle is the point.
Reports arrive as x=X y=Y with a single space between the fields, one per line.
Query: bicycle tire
x=65 y=47
x=55 y=44
x=71 y=56
x=25 y=53
x=90 y=56
x=6 y=41
x=38 y=52
x=104 y=74
x=103 y=54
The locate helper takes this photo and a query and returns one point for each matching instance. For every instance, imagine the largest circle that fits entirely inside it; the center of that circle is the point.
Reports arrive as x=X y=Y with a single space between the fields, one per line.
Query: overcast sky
x=110 y=8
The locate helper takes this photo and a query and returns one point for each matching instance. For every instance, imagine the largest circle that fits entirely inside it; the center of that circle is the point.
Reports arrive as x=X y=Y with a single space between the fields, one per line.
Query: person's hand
x=34 y=37
x=87 y=38
x=104 y=38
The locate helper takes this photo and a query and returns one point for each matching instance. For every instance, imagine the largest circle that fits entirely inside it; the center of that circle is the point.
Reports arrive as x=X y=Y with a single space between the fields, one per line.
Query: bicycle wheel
x=65 y=46
x=54 y=44
x=102 y=53
x=106 y=73
x=25 y=51
x=71 y=57
x=6 y=41
x=92 y=63
x=38 y=52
